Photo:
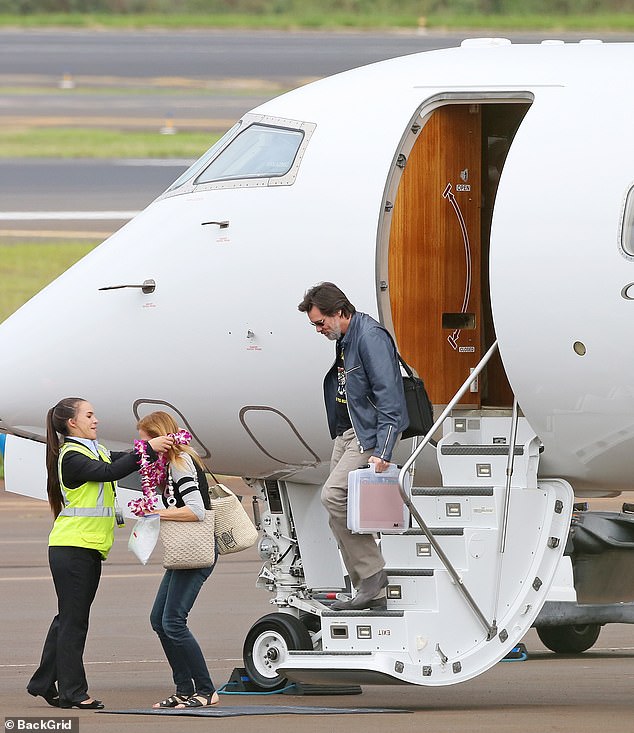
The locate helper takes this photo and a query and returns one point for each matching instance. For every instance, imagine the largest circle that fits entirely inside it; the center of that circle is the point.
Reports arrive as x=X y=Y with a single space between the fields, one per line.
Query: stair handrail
x=510 y=463
x=491 y=627
x=439 y=421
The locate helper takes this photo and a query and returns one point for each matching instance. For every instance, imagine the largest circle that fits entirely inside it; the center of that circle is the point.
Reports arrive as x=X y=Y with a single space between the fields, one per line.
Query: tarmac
x=547 y=693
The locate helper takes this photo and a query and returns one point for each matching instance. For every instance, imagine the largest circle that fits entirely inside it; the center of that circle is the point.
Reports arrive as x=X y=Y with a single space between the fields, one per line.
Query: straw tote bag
x=233 y=529
x=187 y=545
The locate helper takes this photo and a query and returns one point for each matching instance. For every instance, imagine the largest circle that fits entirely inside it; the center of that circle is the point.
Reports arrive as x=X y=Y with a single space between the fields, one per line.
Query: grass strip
x=313 y=17
x=28 y=266
x=534 y=22
x=308 y=19
x=100 y=143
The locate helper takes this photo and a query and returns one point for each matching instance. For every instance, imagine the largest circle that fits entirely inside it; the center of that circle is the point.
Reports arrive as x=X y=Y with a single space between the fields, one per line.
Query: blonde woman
x=179 y=588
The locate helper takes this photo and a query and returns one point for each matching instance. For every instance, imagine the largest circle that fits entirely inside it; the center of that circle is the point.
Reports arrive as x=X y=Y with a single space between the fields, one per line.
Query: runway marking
x=104 y=576
x=250 y=84
x=10 y=505
x=119 y=123
x=22 y=542
x=66 y=215
x=53 y=234
x=127 y=661
x=118 y=576
x=155 y=162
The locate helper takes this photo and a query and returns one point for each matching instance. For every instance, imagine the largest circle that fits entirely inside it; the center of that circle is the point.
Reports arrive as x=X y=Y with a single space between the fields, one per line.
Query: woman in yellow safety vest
x=81 y=487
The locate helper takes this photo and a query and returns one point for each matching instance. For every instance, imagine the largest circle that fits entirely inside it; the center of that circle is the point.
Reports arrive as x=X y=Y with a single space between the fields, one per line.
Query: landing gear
x=267 y=645
x=569 y=639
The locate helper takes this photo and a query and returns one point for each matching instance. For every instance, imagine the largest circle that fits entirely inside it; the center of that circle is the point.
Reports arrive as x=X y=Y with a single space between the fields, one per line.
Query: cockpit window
x=203 y=160
x=260 y=151
x=627 y=226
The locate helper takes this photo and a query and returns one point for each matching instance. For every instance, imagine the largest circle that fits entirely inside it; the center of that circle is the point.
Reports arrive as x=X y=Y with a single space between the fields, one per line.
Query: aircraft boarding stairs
x=469 y=576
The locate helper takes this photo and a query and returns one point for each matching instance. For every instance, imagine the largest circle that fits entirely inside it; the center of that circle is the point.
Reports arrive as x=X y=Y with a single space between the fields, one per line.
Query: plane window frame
x=287 y=179
x=201 y=163
x=256 y=174
x=626 y=226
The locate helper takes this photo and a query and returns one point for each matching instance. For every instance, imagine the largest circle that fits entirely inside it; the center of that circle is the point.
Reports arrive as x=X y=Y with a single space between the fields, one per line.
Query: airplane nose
x=37 y=359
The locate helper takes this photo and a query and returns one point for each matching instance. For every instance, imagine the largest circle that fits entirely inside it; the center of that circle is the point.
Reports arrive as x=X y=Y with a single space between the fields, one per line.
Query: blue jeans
x=176 y=595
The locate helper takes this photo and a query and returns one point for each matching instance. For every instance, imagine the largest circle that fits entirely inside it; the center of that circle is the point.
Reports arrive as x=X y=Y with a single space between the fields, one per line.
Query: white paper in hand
x=144 y=536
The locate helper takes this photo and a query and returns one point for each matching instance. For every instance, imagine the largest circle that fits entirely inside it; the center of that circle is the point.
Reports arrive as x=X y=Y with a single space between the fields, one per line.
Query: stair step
x=496 y=449
x=331 y=653
x=357 y=614
x=452 y=491
x=410 y=572
x=436 y=531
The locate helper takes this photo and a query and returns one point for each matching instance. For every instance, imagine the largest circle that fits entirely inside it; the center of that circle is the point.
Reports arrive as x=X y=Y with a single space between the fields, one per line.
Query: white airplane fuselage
x=463 y=196
x=220 y=338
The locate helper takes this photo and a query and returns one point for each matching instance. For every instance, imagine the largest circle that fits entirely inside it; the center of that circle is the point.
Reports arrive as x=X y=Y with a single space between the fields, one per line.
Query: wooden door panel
x=434 y=256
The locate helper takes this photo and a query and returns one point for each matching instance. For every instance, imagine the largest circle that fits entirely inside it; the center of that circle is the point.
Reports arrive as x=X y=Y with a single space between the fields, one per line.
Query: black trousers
x=76 y=572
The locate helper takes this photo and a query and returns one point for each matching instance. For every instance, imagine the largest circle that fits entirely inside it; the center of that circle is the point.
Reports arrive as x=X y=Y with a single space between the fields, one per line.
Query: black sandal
x=85 y=705
x=200 y=700
x=172 y=701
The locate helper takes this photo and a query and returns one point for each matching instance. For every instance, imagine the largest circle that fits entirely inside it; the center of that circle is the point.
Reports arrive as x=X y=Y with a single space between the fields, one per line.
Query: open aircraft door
x=434 y=246
x=434 y=252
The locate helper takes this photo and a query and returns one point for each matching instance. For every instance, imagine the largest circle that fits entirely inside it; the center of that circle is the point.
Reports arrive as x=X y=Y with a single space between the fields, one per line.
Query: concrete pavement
x=126 y=668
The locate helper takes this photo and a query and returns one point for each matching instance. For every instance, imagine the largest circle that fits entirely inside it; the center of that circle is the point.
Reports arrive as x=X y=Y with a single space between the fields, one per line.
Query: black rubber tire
x=311 y=621
x=569 y=639
x=266 y=645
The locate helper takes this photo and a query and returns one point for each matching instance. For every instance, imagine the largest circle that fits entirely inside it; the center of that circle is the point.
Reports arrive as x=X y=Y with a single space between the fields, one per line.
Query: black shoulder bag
x=419 y=407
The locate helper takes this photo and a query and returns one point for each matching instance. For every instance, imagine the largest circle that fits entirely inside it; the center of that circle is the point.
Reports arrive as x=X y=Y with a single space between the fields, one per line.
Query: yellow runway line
x=223 y=84
x=54 y=234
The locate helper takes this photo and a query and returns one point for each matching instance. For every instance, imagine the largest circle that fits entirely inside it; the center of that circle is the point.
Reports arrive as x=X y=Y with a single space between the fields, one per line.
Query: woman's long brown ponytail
x=57 y=423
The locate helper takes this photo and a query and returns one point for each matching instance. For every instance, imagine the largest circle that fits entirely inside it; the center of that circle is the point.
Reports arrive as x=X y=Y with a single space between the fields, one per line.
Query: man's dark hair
x=328 y=298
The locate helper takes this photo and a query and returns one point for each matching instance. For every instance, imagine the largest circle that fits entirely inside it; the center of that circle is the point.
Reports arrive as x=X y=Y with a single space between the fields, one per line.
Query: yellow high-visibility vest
x=87 y=519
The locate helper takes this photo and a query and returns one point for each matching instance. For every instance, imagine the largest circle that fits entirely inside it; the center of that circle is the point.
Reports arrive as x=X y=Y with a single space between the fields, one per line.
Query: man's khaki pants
x=360 y=552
